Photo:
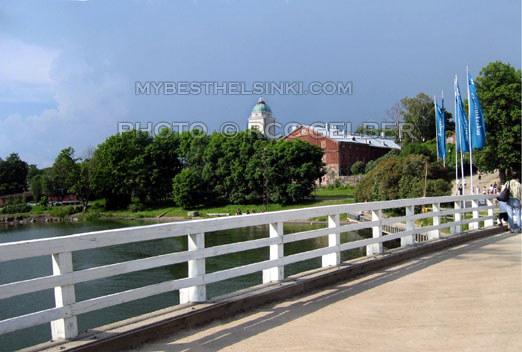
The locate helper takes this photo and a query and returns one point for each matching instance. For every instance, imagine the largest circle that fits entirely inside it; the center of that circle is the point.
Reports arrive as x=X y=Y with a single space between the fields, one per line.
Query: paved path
x=468 y=298
x=486 y=180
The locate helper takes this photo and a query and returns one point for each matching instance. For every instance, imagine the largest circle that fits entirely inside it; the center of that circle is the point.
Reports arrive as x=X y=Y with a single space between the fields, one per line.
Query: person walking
x=503 y=215
x=513 y=203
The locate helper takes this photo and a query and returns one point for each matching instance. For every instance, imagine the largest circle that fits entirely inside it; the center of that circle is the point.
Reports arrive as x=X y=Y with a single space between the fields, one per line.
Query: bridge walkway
x=466 y=298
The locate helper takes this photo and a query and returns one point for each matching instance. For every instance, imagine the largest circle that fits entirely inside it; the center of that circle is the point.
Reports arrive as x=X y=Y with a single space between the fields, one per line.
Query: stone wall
x=332 y=175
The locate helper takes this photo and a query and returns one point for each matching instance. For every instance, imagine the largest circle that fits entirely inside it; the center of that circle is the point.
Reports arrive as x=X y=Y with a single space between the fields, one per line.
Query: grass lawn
x=323 y=193
x=96 y=207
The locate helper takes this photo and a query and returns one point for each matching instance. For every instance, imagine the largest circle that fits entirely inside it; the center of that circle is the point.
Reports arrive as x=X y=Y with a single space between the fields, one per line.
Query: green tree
x=35 y=180
x=243 y=168
x=293 y=168
x=63 y=173
x=191 y=149
x=83 y=180
x=188 y=188
x=33 y=171
x=418 y=114
x=217 y=169
x=192 y=146
x=230 y=164
x=358 y=168
x=161 y=164
x=369 y=130
x=36 y=187
x=120 y=168
x=498 y=89
x=13 y=175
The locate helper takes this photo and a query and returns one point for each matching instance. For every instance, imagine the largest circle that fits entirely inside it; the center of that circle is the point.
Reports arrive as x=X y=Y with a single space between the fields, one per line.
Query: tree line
x=134 y=169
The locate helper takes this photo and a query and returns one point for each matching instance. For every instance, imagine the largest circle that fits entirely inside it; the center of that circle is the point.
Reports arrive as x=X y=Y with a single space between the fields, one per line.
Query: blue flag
x=461 y=122
x=476 y=117
x=441 y=130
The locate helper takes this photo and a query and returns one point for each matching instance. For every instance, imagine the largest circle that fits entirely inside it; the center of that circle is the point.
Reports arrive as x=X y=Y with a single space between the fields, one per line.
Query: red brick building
x=29 y=196
x=341 y=149
x=8 y=198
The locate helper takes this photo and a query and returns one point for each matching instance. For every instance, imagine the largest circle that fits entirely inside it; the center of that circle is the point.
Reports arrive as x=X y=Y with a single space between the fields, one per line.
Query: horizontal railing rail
x=193 y=287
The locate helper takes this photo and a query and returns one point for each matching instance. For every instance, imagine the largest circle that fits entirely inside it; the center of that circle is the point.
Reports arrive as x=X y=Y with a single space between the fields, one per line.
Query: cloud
x=24 y=71
x=90 y=99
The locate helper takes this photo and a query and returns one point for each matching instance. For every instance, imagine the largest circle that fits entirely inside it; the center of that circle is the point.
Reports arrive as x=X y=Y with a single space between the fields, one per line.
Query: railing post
x=276 y=252
x=491 y=212
x=63 y=295
x=375 y=248
x=196 y=267
x=435 y=234
x=410 y=225
x=474 y=225
x=334 y=240
x=458 y=217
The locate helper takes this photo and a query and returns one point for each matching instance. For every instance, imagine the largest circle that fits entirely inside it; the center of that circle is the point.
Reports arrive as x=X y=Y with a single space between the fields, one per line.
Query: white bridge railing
x=193 y=288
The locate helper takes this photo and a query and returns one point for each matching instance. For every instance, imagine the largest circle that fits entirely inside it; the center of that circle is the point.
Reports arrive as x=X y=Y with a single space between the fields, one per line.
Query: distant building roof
x=348 y=137
x=261 y=106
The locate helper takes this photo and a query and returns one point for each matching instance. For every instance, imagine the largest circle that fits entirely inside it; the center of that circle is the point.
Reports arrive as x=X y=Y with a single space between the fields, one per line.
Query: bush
x=15 y=208
x=62 y=211
x=38 y=209
x=358 y=168
x=427 y=149
x=403 y=177
x=92 y=216
x=369 y=166
x=372 y=163
x=43 y=201
x=136 y=206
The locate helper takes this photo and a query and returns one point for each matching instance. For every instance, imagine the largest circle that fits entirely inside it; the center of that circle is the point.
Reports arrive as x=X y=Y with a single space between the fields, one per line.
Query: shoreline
x=14 y=220
x=17 y=220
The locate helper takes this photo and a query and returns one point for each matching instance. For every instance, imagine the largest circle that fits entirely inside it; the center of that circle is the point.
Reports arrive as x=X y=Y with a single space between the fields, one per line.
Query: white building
x=261 y=119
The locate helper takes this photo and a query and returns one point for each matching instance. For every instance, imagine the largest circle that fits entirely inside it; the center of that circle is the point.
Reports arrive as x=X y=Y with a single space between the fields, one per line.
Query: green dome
x=261 y=106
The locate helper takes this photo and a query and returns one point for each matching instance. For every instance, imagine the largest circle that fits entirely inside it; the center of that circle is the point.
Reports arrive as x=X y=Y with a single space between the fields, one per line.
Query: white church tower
x=261 y=119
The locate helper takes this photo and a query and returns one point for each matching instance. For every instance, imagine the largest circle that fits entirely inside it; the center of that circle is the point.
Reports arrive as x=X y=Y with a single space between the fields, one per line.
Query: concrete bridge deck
x=465 y=298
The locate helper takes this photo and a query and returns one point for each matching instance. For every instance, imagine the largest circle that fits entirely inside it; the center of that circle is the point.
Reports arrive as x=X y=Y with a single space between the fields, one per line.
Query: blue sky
x=68 y=68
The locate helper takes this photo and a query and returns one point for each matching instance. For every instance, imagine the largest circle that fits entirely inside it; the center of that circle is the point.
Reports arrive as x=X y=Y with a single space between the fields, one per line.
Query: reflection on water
x=41 y=266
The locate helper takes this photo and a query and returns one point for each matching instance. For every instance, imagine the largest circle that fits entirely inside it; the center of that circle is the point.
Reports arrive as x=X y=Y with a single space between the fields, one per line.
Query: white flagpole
x=470 y=146
x=456 y=139
x=444 y=156
x=462 y=161
x=436 y=127
x=461 y=146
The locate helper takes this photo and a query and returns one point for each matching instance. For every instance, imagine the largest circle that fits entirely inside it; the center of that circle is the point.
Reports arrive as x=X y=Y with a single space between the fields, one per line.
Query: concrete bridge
x=196 y=309
x=466 y=298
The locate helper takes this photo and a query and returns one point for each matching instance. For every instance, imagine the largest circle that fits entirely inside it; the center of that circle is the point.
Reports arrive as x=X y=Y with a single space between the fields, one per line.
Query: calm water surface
x=40 y=266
